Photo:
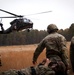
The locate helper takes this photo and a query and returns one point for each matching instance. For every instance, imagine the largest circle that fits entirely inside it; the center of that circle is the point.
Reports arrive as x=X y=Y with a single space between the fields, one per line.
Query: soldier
x=72 y=52
x=55 y=45
x=9 y=30
x=41 y=69
x=0 y=61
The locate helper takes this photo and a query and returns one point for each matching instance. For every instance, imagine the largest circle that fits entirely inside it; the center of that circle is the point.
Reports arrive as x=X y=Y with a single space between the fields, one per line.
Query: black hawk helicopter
x=17 y=24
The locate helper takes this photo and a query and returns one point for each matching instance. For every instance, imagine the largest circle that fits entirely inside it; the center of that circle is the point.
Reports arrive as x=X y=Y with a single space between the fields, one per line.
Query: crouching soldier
x=41 y=69
x=55 y=45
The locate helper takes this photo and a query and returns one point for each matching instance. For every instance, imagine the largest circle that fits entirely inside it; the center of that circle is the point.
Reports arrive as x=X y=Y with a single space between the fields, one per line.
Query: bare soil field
x=19 y=57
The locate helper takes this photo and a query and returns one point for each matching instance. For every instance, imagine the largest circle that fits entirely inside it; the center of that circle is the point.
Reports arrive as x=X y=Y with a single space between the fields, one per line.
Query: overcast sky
x=62 y=12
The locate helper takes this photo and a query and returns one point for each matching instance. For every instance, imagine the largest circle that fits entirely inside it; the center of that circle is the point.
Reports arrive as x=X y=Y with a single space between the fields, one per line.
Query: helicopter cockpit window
x=26 y=20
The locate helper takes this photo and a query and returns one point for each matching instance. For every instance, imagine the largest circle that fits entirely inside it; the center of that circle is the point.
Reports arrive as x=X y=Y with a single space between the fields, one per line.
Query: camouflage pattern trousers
x=60 y=68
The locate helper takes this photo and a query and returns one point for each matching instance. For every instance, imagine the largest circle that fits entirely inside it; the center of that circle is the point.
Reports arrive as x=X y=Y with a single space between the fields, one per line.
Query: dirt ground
x=19 y=57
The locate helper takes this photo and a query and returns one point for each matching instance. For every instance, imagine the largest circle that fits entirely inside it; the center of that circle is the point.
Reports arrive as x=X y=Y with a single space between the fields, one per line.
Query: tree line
x=32 y=37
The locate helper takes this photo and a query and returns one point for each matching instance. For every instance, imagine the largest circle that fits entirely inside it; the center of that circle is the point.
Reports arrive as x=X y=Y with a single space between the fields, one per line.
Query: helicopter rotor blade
x=21 y=16
x=39 y=13
x=9 y=17
x=11 y=13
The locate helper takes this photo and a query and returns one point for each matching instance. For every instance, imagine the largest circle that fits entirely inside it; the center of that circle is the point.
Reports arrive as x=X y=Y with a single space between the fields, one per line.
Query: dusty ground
x=18 y=57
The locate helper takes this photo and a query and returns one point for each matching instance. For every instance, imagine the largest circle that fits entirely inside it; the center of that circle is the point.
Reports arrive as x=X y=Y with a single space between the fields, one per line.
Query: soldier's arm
x=38 y=50
x=64 y=52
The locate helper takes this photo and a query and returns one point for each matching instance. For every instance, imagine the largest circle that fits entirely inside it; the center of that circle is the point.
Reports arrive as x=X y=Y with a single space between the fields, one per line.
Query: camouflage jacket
x=40 y=70
x=72 y=53
x=55 y=44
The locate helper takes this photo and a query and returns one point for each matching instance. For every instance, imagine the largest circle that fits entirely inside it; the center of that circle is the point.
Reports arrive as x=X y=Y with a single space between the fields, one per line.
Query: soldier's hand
x=68 y=67
x=34 y=62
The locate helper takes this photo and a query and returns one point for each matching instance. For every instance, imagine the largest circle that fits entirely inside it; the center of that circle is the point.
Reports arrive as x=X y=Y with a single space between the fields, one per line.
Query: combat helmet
x=52 y=28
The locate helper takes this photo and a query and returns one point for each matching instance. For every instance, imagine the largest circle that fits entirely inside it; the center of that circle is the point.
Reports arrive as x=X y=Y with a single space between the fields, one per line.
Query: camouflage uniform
x=72 y=52
x=0 y=61
x=39 y=70
x=55 y=45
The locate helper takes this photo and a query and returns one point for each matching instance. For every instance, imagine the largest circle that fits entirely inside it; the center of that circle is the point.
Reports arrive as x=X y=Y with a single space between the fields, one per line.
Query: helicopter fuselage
x=20 y=24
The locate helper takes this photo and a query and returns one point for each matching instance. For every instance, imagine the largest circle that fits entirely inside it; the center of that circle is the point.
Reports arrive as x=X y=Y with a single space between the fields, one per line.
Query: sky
x=62 y=12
